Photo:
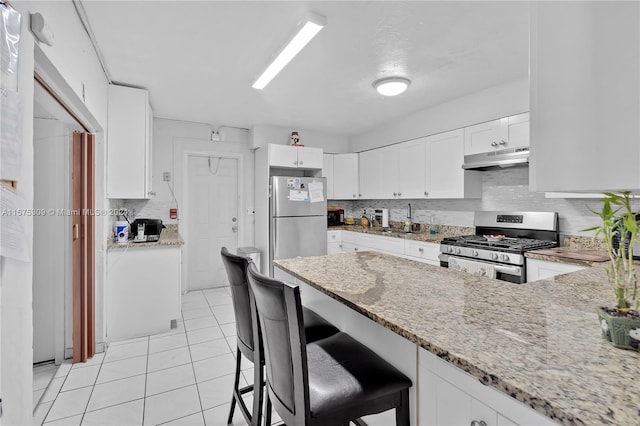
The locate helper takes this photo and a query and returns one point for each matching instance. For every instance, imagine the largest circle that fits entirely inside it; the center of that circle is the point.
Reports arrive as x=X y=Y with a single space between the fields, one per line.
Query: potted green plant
x=620 y=230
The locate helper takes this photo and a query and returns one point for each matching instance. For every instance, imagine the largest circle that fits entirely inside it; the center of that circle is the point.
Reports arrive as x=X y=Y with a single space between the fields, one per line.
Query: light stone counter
x=168 y=237
x=443 y=232
x=539 y=343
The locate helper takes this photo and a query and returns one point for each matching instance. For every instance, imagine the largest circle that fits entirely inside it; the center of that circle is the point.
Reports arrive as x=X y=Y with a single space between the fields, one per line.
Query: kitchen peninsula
x=538 y=343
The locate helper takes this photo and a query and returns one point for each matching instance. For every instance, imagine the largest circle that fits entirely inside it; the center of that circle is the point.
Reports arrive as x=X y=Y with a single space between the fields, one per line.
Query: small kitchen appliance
x=382 y=217
x=152 y=228
x=501 y=240
x=335 y=216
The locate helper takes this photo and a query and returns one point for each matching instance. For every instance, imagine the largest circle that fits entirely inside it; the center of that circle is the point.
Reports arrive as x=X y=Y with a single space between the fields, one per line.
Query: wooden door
x=83 y=246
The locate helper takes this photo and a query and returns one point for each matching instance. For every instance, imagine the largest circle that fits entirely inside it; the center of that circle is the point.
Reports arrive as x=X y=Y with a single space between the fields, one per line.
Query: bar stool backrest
x=280 y=318
x=236 y=267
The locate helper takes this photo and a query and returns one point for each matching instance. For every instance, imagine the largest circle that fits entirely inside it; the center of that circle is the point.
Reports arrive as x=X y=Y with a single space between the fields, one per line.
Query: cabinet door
x=412 y=169
x=485 y=137
x=445 y=177
x=334 y=248
x=584 y=105
x=283 y=156
x=345 y=176
x=149 y=153
x=327 y=172
x=135 y=274
x=389 y=171
x=518 y=130
x=309 y=158
x=370 y=177
x=128 y=161
x=541 y=269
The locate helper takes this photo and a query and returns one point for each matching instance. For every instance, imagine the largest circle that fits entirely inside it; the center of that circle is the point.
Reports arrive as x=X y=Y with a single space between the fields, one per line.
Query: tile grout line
x=193 y=368
x=146 y=377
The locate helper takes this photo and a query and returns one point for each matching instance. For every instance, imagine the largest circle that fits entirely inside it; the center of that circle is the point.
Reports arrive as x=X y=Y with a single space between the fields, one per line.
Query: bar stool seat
x=347 y=377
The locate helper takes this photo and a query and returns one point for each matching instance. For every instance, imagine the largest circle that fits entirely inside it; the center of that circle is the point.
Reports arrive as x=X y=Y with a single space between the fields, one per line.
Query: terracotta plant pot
x=616 y=328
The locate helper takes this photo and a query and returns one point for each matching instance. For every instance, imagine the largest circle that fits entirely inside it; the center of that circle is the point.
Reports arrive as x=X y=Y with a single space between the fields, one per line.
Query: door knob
x=233 y=219
x=234 y=228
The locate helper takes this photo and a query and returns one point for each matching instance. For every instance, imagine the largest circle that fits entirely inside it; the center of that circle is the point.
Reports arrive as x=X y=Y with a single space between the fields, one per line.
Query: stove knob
x=474 y=253
x=494 y=256
x=449 y=250
x=458 y=251
x=505 y=257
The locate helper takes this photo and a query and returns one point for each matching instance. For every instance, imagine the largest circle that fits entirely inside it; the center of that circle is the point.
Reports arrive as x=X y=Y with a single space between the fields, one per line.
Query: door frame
x=49 y=76
x=181 y=173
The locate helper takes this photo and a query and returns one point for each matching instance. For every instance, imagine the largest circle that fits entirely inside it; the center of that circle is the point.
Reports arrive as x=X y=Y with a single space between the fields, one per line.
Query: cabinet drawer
x=386 y=244
x=422 y=251
x=334 y=236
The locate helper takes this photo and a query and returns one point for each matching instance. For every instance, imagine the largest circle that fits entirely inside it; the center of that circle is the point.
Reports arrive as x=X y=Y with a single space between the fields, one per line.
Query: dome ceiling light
x=391 y=86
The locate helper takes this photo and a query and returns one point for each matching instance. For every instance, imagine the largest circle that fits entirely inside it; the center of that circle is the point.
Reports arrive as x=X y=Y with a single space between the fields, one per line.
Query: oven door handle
x=504 y=269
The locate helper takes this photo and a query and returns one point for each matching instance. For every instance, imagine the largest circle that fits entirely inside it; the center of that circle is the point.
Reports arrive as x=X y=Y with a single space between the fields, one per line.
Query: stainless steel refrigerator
x=298 y=210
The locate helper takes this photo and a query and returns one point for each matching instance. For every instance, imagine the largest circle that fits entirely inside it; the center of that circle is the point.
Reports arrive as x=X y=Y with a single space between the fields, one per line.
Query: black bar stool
x=332 y=381
x=316 y=327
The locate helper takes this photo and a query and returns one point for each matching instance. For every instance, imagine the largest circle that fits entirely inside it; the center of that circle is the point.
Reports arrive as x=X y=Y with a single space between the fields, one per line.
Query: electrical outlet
x=166 y=176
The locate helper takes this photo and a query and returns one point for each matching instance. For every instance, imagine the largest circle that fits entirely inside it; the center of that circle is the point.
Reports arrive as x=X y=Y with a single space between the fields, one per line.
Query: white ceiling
x=198 y=59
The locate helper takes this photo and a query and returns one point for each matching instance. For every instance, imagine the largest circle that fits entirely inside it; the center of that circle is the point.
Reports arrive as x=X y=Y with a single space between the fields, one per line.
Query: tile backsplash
x=502 y=189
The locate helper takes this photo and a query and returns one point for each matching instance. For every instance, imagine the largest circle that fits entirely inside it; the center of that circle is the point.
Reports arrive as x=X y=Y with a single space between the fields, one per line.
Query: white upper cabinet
x=412 y=169
x=370 y=177
x=345 y=176
x=389 y=171
x=327 y=172
x=295 y=157
x=585 y=96
x=445 y=178
x=129 y=143
x=508 y=132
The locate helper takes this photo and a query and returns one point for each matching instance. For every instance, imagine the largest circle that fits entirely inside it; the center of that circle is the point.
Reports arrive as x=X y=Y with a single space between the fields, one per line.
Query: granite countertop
x=424 y=236
x=539 y=342
x=169 y=237
x=576 y=250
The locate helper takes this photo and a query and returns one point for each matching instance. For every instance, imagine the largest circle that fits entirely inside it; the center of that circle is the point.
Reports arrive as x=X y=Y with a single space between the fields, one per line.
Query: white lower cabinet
x=143 y=291
x=408 y=249
x=541 y=269
x=450 y=396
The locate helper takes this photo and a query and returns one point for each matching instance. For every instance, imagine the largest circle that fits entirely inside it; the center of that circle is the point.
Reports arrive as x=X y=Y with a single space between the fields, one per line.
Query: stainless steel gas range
x=501 y=239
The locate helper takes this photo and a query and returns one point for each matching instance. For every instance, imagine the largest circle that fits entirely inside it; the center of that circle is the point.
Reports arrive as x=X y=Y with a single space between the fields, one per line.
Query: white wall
x=263 y=135
x=495 y=102
x=71 y=60
x=170 y=138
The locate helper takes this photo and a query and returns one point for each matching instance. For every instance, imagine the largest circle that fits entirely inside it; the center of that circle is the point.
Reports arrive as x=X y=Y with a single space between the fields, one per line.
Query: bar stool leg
x=236 y=382
x=402 y=412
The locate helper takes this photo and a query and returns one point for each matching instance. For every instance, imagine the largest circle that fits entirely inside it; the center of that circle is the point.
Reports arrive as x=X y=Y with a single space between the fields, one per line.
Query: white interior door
x=212 y=215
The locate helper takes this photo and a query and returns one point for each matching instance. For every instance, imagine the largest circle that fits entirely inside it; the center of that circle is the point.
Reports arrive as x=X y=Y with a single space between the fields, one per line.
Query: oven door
x=512 y=273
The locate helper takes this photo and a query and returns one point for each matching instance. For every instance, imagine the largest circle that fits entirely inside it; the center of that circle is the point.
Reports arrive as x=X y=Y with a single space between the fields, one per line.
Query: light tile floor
x=182 y=377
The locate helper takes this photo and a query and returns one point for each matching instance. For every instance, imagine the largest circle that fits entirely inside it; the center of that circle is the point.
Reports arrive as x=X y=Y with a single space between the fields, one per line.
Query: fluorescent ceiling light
x=312 y=26
x=391 y=86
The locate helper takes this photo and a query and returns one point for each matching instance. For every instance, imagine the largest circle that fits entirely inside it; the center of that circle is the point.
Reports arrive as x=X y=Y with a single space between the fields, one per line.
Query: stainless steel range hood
x=502 y=158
